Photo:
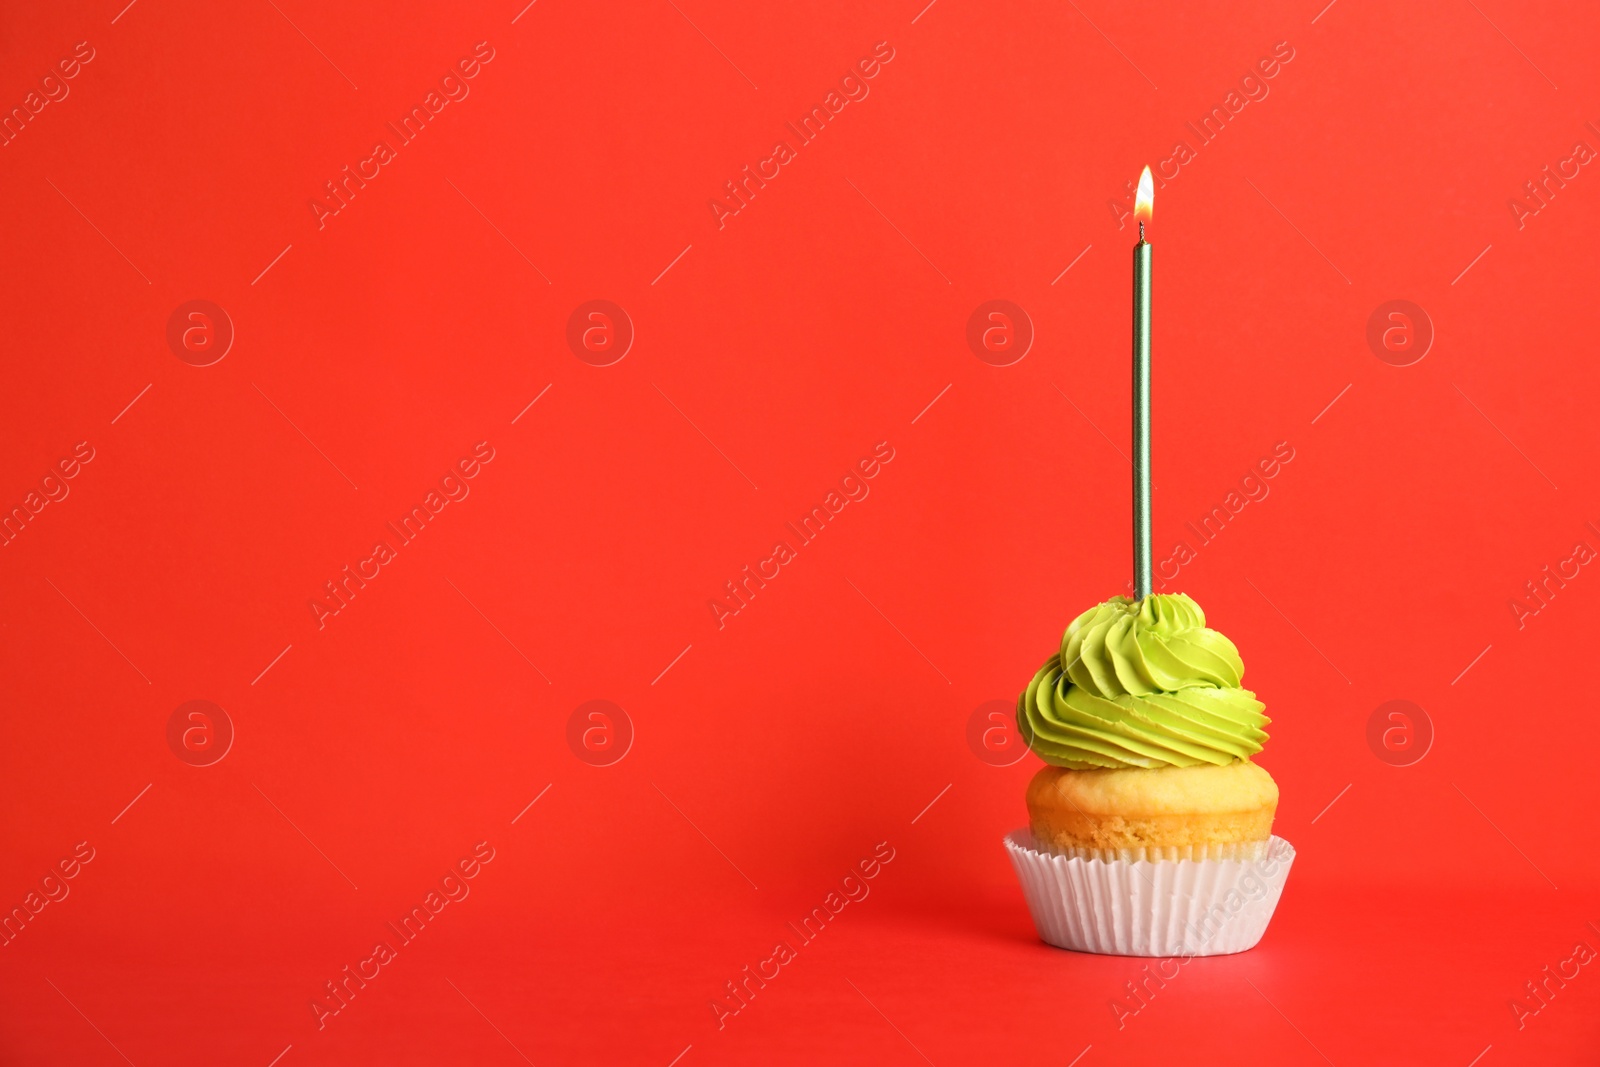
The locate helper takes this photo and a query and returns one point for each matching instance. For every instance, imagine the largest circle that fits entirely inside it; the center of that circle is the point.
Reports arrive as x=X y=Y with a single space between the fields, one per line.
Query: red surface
x=777 y=352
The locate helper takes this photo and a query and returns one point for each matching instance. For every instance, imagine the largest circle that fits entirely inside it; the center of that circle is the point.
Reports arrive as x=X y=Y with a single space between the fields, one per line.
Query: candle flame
x=1145 y=200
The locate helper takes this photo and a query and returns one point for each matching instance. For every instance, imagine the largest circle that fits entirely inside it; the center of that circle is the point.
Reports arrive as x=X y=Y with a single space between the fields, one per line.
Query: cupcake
x=1150 y=830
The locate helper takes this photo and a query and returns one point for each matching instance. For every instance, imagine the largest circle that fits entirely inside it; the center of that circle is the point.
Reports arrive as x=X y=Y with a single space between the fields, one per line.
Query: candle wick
x=1141 y=229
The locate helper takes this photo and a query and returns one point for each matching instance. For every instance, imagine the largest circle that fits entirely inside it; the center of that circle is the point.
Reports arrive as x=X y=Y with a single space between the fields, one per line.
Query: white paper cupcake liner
x=1145 y=907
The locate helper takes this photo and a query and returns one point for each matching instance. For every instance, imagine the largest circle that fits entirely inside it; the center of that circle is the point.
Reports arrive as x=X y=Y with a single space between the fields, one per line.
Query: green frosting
x=1143 y=684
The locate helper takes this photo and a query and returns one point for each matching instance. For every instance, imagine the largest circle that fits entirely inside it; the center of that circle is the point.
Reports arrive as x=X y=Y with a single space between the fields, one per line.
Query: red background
x=824 y=717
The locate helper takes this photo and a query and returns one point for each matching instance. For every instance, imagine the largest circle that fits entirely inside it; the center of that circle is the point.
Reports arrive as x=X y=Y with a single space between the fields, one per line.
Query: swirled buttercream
x=1142 y=684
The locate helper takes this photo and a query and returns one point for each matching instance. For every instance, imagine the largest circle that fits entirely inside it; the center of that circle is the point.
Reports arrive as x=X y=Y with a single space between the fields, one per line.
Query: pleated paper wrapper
x=1128 y=904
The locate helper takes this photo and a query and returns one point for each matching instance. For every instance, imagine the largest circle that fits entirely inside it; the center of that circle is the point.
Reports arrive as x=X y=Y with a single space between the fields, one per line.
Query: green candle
x=1141 y=393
